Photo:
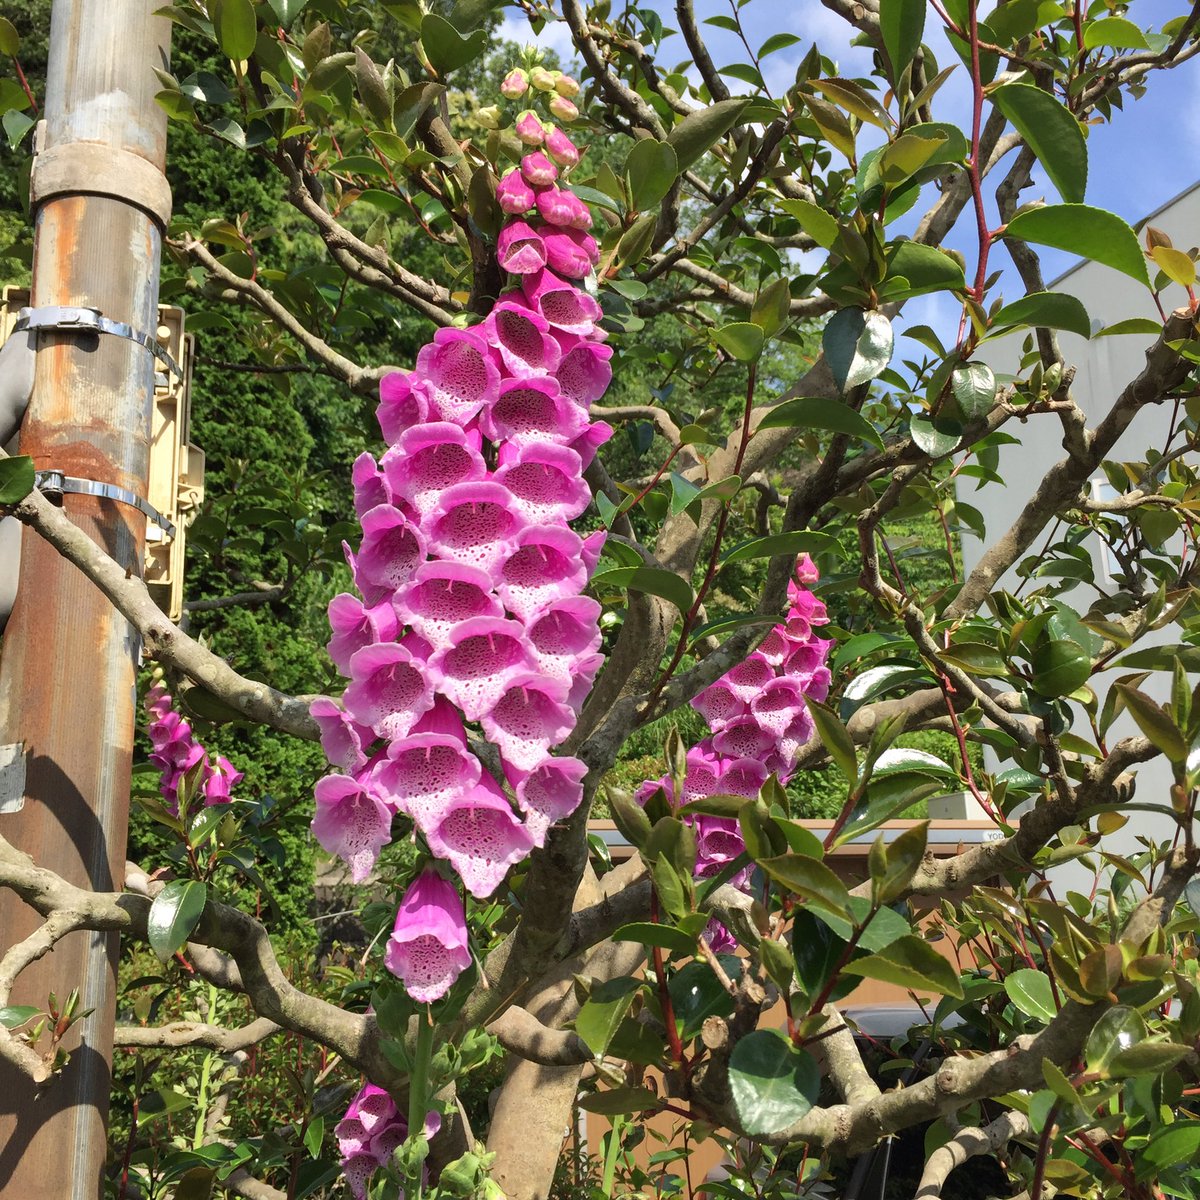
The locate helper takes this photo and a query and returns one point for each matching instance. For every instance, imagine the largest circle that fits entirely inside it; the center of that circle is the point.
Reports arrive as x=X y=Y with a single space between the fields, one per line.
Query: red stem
x=973 y=161
x=24 y=84
x=664 y=994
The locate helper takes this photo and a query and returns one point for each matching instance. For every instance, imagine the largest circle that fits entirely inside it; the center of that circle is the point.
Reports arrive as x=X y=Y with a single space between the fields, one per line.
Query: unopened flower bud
x=490 y=117
x=529 y=128
x=514 y=84
x=561 y=148
x=538 y=169
x=513 y=194
x=563 y=108
x=543 y=79
x=564 y=85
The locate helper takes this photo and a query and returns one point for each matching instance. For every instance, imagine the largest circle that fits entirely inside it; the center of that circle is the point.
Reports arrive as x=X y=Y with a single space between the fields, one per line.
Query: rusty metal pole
x=67 y=671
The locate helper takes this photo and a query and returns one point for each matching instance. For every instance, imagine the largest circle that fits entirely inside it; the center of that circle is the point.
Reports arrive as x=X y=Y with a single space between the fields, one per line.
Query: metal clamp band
x=90 y=320
x=57 y=483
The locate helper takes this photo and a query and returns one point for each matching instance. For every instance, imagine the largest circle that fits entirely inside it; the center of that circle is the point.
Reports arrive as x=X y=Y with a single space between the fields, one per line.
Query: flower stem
x=418 y=1086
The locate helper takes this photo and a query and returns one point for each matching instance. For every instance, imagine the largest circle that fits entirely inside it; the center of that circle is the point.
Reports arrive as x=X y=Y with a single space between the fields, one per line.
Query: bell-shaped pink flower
x=718 y=843
x=351 y=822
x=777 y=706
x=392 y=549
x=443 y=719
x=545 y=566
x=563 y=305
x=561 y=148
x=806 y=570
x=584 y=675
x=749 y=677
x=441 y=595
x=570 y=252
x=428 y=459
x=529 y=128
x=479 y=658
x=533 y=410
x=539 y=170
x=719 y=704
x=357 y=1170
x=703 y=775
x=776 y=646
x=388 y=691
x=550 y=792
x=514 y=195
x=459 y=374
x=222 y=778
x=523 y=338
x=429 y=946
x=560 y=207
x=804 y=613
x=528 y=720
x=593 y=544
x=356 y=625
x=744 y=738
x=585 y=372
x=343 y=739
x=564 y=109
x=481 y=837
x=370 y=490
x=403 y=402
x=371 y=1110
x=546 y=481
x=514 y=84
x=474 y=523
x=742 y=776
x=797 y=735
x=562 y=634
x=424 y=772
x=519 y=248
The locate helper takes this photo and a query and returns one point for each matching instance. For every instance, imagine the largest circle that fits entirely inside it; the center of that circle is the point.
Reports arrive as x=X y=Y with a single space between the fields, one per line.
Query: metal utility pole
x=67 y=672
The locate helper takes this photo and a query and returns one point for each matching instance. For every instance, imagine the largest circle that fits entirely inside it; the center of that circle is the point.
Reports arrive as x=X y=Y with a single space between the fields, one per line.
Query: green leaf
x=811 y=880
x=1059 y=667
x=1167 y=1147
x=699 y=131
x=974 y=387
x=615 y=1101
x=1051 y=132
x=235 y=27
x=901 y=860
x=1175 y=265
x=603 y=1011
x=1047 y=310
x=1030 y=992
x=637 y=239
x=885 y=927
x=445 y=47
x=816 y=222
x=742 y=340
x=652 y=580
x=13 y=1016
x=816 y=950
x=910 y=962
x=173 y=915
x=922 y=269
x=836 y=739
x=821 y=412
x=901 y=23
x=648 y=933
x=778 y=41
x=857 y=345
x=800 y=542
x=696 y=994
x=1116 y=32
x=1147 y=1058
x=1091 y=233
x=314 y=1135
x=162 y=1103
x=10 y=41
x=1117 y=1029
x=650 y=170
x=16 y=478
x=1155 y=722
x=771 y=306
x=773 y=1084
x=777 y=959
x=936 y=437
x=1139 y=325
x=287 y=11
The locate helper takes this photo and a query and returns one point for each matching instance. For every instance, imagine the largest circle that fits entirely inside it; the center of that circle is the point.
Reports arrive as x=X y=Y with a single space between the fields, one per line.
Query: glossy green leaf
x=603 y=1011
x=836 y=739
x=1117 y=1029
x=973 y=385
x=901 y=24
x=1045 y=310
x=446 y=48
x=824 y=413
x=235 y=26
x=314 y=1135
x=1175 y=265
x=1060 y=665
x=1146 y=1058
x=816 y=950
x=900 y=862
x=916 y=270
x=811 y=880
x=286 y=11
x=936 y=437
x=857 y=345
x=650 y=170
x=1155 y=722
x=636 y=241
x=699 y=131
x=1169 y=1146
x=1138 y=325
x=800 y=542
x=1091 y=233
x=10 y=41
x=652 y=580
x=882 y=930
x=696 y=994
x=651 y=934
x=173 y=915
x=741 y=340
x=1051 y=132
x=614 y=1101
x=773 y=1084
x=13 y=1016
x=1030 y=992
x=1116 y=32
x=16 y=478
x=816 y=222
x=910 y=962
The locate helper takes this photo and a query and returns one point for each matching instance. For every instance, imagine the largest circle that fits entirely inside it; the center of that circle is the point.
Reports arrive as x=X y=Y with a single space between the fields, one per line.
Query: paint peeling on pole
x=67 y=672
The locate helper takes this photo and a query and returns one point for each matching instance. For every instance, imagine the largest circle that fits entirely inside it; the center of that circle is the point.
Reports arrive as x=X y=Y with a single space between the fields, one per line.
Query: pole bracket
x=79 y=318
x=92 y=167
x=55 y=483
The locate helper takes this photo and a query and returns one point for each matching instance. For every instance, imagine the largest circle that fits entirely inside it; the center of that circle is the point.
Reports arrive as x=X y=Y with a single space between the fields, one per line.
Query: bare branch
x=520 y=1032
x=195 y=1033
x=966 y=1144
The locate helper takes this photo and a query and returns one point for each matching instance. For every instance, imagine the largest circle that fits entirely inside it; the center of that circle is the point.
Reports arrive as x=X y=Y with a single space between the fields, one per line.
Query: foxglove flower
x=529 y=128
x=529 y=719
x=176 y=752
x=561 y=148
x=389 y=689
x=356 y=625
x=459 y=373
x=428 y=949
x=523 y=338
x=538 y=169
x=569 y=252
x=514 y=195
x=519 y=249
x=351 y=822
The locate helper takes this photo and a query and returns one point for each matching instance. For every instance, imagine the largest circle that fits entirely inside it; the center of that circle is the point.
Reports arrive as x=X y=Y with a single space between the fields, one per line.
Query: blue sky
x=1147 y=155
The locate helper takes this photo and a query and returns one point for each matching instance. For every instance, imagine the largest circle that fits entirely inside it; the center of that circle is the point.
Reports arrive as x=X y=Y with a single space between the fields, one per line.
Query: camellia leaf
x=836 y=739
x=1117 y=1029
x=885 y=927
x=816 y=950
x=445 y=47
x=772 y=1083
x=924 y=269
x=10 y=41
x=857 y=345
x=800 y=542
x=287 y=11
x=653 y=580
x=1051 y=132
x=1116 y=32
x=16 y=478
x=615 y=1101
x=1175 y=265
x=699 y=131
x=974 y=387
x=1155 y=722
x=816 y=222
x=742 y=340
x=1138 y=325
x=824 y=413
x=651 y=934
x=901 y=24
x=696 y=994
x=650 y=169
x=1173 y=1144
x=1092 y=233
x=13 y=1016
x=1030 y=992
x=235 y=27
x=911 y=962
x=936 y=437
x=603 y=1011
x=809 y=879
x=1046 y=310
x=173 y=915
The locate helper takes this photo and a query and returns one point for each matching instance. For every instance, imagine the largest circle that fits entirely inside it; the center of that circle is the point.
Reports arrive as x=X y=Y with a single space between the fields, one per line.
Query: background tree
x=735 y=226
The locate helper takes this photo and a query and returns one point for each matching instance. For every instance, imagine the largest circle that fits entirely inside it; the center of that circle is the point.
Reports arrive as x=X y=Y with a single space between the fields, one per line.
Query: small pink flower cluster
x=759 y=723
x=367 y=1136
x=176 y=752
x=470 y=581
